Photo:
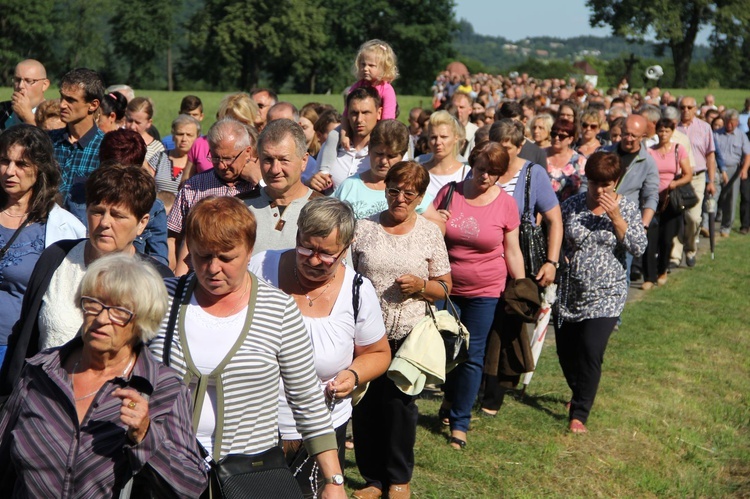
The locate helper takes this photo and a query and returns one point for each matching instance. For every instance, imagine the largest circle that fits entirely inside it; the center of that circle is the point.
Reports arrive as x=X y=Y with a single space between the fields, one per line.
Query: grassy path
x=671 y=418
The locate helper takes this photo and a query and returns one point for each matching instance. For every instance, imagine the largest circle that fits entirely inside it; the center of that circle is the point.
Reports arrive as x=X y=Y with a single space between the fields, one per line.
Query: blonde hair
x=141 y=104
x=387 y=59
x=439 y=118
x=241 y=107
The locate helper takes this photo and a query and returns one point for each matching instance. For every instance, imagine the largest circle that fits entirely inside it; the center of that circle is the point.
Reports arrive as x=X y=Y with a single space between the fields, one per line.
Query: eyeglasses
x=28 y=81
x=227 y=163
x=323 y=257
x=119 y=316
x=409 y=196
x=558 y=135
x=687 y=107
x=592 y=126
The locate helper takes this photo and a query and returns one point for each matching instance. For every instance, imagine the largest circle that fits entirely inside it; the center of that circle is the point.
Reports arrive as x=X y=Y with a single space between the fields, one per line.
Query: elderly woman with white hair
x=88 y=417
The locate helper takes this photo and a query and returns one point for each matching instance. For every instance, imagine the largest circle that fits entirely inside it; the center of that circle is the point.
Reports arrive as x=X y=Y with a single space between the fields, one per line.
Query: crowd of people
x=259 y=277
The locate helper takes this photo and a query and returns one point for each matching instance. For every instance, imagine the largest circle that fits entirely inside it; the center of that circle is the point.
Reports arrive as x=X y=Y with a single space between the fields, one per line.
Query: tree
x=674 y=23
x=79 y=38
x=143 y=33
x=26 y=28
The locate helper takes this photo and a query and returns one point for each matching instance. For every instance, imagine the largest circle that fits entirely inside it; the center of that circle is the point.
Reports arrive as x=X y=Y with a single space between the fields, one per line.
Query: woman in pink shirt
x=674 y=170
x=482 y=240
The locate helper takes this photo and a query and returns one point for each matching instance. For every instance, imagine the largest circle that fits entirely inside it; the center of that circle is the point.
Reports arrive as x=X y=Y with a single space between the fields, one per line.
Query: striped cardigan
x=275 y=347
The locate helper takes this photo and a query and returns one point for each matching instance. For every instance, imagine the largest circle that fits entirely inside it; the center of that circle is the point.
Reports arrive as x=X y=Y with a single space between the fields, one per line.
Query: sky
x=557 y=18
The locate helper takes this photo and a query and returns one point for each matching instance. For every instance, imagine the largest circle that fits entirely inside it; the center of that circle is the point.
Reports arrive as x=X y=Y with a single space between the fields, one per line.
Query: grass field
x=672 y=417
x=167 y=104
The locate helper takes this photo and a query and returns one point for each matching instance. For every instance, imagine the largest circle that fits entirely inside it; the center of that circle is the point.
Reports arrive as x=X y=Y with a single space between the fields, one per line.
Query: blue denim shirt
x=153 y=241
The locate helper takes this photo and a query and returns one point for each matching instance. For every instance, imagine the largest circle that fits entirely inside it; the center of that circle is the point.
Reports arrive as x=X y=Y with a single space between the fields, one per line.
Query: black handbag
x=454 y=333
x=237 y=476
x=531 y=237
x=264 y=476
x=684 y=197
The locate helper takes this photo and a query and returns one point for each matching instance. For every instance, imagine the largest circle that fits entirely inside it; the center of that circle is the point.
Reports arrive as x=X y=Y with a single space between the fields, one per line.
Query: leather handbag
x=531 y=237
x=684 y=197
x=265 y=475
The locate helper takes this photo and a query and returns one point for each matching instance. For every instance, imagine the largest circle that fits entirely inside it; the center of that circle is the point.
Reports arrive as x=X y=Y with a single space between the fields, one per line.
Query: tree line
x=305 y=46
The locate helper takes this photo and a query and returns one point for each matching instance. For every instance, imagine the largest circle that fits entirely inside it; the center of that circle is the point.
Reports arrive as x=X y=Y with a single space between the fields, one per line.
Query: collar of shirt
x=142 y=377
x=355 y=153
x=84 y=141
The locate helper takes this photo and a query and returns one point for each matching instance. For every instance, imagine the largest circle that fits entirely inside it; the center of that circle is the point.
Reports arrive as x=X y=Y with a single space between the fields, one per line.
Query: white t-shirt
x=438 y=181
x=333 y=337
x=348 y=162
x=210 y=339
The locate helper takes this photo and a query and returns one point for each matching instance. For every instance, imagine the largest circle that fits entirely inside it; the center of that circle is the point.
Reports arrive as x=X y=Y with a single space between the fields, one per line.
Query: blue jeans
x=462 y=383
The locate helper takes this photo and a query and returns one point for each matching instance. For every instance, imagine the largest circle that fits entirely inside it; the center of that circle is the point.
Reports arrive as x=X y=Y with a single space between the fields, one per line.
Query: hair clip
x=382 y=47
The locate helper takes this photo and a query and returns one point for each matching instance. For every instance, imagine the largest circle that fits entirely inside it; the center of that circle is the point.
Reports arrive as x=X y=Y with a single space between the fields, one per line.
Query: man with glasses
x=29 y=84
x=282 y=149
x=639 y=180
x=233 y=155
x=704 y=157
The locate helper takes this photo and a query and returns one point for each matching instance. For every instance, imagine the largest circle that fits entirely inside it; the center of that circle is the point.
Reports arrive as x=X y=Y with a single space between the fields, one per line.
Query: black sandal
x=444 y=416
x=457 y=441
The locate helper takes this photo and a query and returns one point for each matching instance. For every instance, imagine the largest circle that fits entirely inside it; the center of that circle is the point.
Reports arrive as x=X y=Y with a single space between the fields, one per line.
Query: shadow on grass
x=542 y=402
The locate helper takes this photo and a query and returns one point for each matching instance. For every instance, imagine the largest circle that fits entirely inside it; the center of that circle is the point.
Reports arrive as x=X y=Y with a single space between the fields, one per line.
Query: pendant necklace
x=73 y=379
x=311 y=300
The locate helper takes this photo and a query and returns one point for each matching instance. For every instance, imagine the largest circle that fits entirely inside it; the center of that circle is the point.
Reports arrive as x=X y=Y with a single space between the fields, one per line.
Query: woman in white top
x=350 y=347
x=446 y=135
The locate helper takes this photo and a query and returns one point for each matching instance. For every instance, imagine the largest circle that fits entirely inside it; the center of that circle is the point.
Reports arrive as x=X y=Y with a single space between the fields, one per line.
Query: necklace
x=242 y=301
x=73 y=379
x=311 y=300
x=14 y=216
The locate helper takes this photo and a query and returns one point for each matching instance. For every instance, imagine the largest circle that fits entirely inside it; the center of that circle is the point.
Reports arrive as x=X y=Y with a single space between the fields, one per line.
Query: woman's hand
x=610 y=205
x=546 y=275
x=411 y=284
x=341 y=386
x=133 y=413
x=444 y=214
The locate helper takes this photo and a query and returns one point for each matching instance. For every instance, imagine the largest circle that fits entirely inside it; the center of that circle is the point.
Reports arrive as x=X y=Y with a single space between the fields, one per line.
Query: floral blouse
x=594 y=284
x=566 y=181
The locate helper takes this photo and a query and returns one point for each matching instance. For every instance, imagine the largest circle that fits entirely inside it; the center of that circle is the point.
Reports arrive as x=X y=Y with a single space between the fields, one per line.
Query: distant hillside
x=497 y=52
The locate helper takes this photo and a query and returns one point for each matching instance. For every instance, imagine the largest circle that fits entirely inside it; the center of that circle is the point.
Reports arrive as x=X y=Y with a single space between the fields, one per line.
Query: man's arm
x=711 y=169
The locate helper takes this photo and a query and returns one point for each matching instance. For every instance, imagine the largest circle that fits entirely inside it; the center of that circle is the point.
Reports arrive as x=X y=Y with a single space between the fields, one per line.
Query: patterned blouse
x=566 y=181
x=383 y=257
x=595 y=284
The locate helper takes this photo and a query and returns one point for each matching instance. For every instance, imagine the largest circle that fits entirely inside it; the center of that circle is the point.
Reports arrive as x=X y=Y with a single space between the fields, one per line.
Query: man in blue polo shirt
x=77 y=145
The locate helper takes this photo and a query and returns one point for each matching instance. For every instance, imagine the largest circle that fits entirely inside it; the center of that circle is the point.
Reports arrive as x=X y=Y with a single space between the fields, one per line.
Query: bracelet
x=356 y=377
x=424 y=286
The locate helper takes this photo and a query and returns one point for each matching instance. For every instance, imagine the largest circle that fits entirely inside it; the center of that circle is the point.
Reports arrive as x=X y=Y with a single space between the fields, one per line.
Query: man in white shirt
x=363 y=112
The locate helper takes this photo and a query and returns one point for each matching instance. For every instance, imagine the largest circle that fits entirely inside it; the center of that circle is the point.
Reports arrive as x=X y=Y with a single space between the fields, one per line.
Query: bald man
x=639 y=181
x=29 y=84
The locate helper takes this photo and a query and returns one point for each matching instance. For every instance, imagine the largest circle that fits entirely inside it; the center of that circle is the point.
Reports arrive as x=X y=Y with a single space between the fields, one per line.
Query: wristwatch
x=554 y=264
x=337 y=479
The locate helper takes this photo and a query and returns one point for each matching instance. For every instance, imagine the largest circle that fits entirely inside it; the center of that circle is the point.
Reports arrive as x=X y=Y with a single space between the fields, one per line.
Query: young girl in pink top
x=375 y=66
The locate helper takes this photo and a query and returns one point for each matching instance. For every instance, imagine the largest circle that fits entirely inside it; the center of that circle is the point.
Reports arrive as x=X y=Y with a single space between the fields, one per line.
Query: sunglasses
x=558 y=135
x=687 y=107
x=592 y=126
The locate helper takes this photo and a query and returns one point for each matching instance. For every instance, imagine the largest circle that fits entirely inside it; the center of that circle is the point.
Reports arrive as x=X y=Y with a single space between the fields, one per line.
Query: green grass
x=671 y=418
x=167 y=104
x=729 y=97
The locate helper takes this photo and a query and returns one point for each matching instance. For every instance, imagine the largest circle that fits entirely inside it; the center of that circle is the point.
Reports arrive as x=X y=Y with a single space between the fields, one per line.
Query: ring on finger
x=132 y=405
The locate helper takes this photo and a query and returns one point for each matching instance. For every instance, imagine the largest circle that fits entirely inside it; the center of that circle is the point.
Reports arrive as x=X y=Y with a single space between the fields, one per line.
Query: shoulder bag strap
x=448 y=196
x=15 y=235
x=527 y=188
x=356 y=284
x=173 y=313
